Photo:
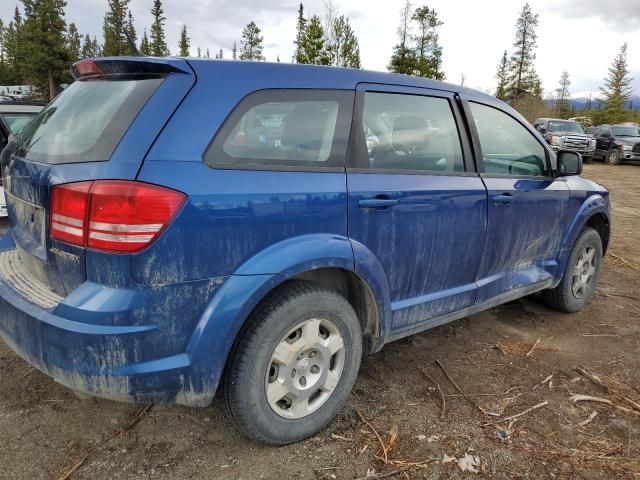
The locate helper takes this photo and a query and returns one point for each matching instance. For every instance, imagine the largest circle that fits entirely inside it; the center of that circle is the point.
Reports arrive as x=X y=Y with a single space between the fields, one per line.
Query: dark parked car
x=566 y=135
x=616 y=143
x=181 y=225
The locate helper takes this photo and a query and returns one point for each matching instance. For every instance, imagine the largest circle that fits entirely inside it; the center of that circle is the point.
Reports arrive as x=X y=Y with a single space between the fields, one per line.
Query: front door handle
x=504 y=198
x=377 y=203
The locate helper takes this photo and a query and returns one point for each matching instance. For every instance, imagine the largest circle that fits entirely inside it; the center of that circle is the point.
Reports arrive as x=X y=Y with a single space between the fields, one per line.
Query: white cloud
x=581 y=36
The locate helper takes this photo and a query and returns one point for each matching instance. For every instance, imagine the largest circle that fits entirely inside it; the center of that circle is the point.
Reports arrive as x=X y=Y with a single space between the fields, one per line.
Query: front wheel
x=580 y=276
x=295 y=365
x=614 y=157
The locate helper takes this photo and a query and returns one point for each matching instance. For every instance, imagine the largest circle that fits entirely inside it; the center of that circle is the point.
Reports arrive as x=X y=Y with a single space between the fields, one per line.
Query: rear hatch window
x=86 y=122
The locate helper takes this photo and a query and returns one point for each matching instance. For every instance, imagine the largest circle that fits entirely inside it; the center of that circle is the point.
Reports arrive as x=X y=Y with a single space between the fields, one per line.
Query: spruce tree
x=74 y=43
x=313 y=47
x=158 y=41
x=207 y=55
x=403 y=59
x=428 y=52
x=46 y=55
x=345 y=51
x=563 y=96
x=234 y=51
x=199 y=52
x=251 y=43
x=300 y=27
x=4 y=68
x=502 y=75
x=145 y=46
x=617 y=88
x=219 y=55
x=115 y=21
x=184 y=43
x=523 y=79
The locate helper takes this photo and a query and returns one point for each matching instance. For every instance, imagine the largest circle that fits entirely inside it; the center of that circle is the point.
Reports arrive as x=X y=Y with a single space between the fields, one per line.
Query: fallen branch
x=593 y=378
x=468 y=398
x=626 y=262
x=396 y=471
x=68 y=471
x=543 y=382
x=521 y=414
x=593 y=415
x=575 y=398
x=537 y=342
x=444 y=402
x=375 y=432
x=615 y=393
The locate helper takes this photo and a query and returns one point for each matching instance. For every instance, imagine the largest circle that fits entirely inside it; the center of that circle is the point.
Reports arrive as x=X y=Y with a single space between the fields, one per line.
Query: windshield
x=17 y=121
x=86 y=122
x=625 y=131
x=559 y=126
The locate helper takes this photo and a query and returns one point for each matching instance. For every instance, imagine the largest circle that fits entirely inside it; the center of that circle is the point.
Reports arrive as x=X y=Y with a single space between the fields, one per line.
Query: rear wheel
x=580 y=276
x=295 y=365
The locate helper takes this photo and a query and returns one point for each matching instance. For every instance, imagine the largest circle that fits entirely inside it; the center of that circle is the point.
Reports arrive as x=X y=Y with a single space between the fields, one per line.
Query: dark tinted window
x=410 y=132
x=508 y=148
x=86 y=122
x=290 y=128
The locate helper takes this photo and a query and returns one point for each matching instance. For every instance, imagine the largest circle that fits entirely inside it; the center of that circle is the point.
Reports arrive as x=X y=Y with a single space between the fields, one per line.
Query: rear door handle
x=504 y=198
x=378 y=203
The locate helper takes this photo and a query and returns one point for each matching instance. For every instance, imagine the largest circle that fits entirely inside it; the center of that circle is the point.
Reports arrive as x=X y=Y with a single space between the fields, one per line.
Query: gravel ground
x=46 y=432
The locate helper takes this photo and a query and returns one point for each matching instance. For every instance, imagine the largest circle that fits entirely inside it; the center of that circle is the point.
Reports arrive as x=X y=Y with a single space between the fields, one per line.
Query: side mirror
x=569 y=163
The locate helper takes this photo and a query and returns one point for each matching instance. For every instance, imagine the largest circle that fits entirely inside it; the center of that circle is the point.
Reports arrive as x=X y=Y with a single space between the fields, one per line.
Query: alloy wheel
x=583 y=272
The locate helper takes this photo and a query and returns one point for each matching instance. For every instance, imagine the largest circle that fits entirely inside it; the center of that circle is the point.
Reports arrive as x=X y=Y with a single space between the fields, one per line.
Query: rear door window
x=285 y=128
x=86 y=122
x=17 y=121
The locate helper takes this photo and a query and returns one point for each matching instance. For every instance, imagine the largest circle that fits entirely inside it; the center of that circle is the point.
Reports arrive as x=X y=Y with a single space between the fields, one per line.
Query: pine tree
x=301 y=24
x=184 y=43
x=74 y=43
x=562 y=96
x=502 y=75
x=89 y=47
x=251 y=43
x=523 y=79
x=4 y=68
x=158 y=42
x=617 y=88
x=13 y=49
x=234 y=51
x=145 y=46
x=219 y=55
x=345 y=51
x=45 y=49
x=403 y=59
x=199 y=52
x=428 y=51
x=131 y=30
x=207 y=55
x=115 y=21
x=313 y=48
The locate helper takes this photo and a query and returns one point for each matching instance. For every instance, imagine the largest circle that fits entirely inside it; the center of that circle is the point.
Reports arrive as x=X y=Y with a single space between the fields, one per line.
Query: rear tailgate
x=100 y=127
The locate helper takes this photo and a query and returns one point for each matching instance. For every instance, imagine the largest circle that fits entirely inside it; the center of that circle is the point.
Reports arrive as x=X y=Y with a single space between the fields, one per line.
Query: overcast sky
x=581 y=36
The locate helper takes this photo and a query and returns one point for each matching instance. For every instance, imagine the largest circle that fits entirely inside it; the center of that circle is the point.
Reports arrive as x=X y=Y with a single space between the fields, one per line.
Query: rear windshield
x=17 y=121
x=86 y=122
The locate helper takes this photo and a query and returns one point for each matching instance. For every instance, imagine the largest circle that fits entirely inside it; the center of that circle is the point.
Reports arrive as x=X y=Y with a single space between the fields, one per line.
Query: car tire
x=581 y=274
x=284 y=381
x=613 y=157
x=588 y=159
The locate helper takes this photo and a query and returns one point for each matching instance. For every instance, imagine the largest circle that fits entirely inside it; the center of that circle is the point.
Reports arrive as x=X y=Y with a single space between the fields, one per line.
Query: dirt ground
x=46 y=432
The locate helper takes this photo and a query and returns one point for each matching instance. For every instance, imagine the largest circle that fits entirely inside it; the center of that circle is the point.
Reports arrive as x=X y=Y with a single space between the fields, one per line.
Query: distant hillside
x=581 y=103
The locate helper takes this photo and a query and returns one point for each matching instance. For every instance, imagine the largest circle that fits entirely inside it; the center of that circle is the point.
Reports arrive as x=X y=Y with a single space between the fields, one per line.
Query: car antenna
x=132 y=44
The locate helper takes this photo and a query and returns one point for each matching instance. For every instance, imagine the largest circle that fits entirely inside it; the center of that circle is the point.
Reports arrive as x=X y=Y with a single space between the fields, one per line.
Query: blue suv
x=180 y=225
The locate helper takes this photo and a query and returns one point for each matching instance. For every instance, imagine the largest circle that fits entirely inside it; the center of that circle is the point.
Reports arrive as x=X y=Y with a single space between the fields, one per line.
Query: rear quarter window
x=285 y=129
x=86 y=122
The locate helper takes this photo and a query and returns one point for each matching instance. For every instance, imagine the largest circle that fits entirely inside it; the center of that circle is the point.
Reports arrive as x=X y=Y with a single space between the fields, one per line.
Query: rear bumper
x=125 y=344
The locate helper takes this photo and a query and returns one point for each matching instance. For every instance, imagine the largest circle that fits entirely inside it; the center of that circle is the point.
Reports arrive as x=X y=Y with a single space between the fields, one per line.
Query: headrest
x=410 y=132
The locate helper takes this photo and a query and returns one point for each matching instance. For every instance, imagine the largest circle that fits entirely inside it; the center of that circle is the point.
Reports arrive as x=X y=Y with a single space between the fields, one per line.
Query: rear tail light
x=112 y=215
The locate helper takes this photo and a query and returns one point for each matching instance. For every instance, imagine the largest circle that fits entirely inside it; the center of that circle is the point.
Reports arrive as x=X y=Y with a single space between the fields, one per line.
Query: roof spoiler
x=111 y=66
